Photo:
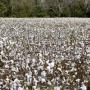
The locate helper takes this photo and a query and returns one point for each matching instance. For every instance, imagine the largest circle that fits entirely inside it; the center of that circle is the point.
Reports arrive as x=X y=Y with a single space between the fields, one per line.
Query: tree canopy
x=44 y=8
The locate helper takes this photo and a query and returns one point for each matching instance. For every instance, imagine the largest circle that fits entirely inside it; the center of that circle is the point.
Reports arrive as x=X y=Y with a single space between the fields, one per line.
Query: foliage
x=3 y=9
x=78 y=9
x=38 y=12
x=32 y=8
x=53 y=11
x=88 y=13
x=66 y=12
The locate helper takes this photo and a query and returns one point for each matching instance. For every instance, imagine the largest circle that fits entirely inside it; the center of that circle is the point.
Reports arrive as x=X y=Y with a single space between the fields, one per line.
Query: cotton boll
x=12 y=42
x=46 y=53
x=16 y=80
x=47 y=62
x=78 y=56
x=51 y=71
x=8 y=47
x=66 y=71
x=40 y=55
x=33 y=60
x=57 y=88
x=7 y=66
x=4 y=38
x=7 y=79
x=59 y=69
x=85 y=81
x=1 y=46
x=75 y=73
x=74 y=76
x=88 y=49
x=16 y=83
x=29 y=77
x=82 y=44
x=48 y=68
x=20 y=88
x=78 y=80
x=12 y=61
x=40 y=67
x=72 y=64
x=35 y=81
x=2 y=53
x=62 y=57
x=26 y=88
x=72 y=69
x=83 y=87
x=11 y=54
x=49 y=83
x=34 y=87
x=43 y=80
x=52 y=64
x=27 y=61
x=1 y=42
x=35 y=72
x=43 y=73
x=2 y=26
x=41 y=61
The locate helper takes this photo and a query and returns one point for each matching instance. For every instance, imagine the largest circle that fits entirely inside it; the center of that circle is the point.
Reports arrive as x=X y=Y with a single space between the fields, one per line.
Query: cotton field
x=44 y=54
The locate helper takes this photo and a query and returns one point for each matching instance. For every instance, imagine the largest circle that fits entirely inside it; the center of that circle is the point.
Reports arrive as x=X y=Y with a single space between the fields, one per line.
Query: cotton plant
x=45 y=55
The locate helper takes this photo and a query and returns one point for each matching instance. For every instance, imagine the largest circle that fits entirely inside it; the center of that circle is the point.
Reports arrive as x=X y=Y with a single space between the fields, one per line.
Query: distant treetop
x=44 y=8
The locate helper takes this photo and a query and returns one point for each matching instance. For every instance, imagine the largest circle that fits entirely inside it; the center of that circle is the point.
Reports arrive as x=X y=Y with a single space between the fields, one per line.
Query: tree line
x=44 y=8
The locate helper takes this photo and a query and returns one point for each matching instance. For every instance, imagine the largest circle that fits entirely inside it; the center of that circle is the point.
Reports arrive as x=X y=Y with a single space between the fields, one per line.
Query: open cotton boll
x=35 y=72
x=46 y=53
x=27 y=60
x=7 y=79
x=43 y=80
x=17 y=81
x=62 y=57
x=78 y=80
x=88 y=49
x=59 y=69
x=1 y=43
x=20 y=88
x=7 y=66
x=82 y=44
x=83 y=87
x=78 y=56
x=34 y=87
x=49 y=83
x=40 y=55
x=41 y=61
x=47 y=62
x=57 y=88
x=66 y=71
x=12 y=42
x=2 y=53
x=52 y=64
x=4 y=38
x=40 y=67
x=28 y=77
x=72 y=69
x=48 y=68
x=33 y=60
x=35 y=81
x=43 y=73
x=12 y=61
x=2 y=26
